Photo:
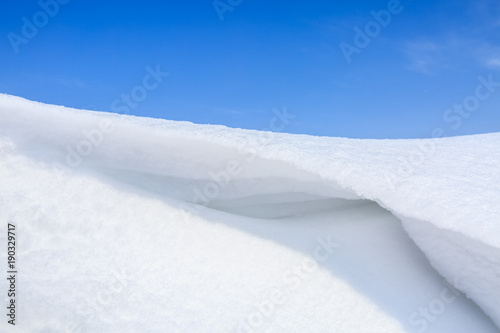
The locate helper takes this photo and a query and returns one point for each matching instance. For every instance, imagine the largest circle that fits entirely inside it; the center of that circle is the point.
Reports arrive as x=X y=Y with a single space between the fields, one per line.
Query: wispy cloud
x=488 y=11
x=441 y=53
x=231 y=112
x=494 y=62
x=71 y=82
x=473 y=43
x=424 y=55
x=56 y=80
x=488 y=55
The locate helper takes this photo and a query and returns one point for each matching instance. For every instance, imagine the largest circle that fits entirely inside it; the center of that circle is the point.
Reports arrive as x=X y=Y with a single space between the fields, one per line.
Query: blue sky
x=237 y=63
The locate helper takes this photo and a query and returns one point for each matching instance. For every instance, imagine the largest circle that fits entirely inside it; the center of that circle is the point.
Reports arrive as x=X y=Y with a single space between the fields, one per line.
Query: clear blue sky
x=264 y=55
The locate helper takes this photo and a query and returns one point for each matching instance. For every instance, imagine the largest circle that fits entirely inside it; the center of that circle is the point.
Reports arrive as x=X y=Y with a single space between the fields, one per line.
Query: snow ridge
x=444 y=191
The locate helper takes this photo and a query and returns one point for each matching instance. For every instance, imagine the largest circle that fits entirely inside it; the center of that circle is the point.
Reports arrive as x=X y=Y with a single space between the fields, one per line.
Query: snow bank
x=134 y=224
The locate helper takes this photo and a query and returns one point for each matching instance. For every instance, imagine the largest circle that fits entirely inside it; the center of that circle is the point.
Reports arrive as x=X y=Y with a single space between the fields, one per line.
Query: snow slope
x=130 y=224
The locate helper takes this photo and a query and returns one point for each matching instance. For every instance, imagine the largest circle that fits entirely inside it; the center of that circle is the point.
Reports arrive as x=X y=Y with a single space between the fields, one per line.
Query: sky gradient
x=412 y=67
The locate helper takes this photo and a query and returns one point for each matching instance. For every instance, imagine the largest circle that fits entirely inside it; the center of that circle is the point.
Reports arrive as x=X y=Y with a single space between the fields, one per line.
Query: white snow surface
x=129 y=224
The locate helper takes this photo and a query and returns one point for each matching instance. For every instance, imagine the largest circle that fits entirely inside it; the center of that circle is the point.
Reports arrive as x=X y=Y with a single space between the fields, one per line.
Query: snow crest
x=72 y=178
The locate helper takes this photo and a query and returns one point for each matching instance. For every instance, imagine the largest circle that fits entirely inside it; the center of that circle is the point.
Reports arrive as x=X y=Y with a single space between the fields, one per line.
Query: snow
x=129 y=224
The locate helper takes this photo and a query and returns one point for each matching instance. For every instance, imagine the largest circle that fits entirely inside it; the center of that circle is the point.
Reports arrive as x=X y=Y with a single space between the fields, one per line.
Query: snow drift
x=131 y=224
